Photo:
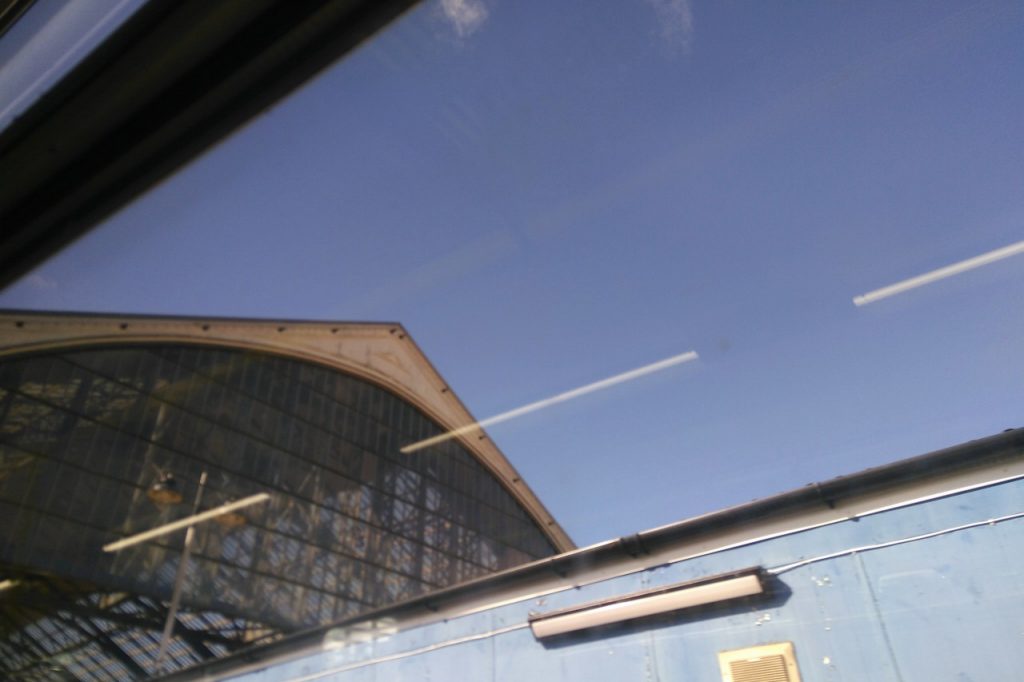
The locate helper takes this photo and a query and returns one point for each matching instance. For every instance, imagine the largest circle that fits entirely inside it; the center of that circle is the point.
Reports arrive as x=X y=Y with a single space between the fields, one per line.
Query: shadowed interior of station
x=100 y=443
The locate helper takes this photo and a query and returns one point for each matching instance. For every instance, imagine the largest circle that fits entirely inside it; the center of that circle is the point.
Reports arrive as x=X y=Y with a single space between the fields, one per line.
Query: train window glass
x=672 y=255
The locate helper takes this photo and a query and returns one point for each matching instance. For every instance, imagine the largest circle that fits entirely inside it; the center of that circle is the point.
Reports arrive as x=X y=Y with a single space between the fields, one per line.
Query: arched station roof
x=95 y=409
x=379 y=352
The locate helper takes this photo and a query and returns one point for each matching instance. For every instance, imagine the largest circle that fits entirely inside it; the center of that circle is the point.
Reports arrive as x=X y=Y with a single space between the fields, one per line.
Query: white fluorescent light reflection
x=941 y=273
x=186 y=522
x=560 y=398
x=644 y=604
x=8 y=584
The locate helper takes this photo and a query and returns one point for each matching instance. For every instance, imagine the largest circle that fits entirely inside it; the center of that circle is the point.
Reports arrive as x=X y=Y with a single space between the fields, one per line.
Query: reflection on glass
x=554 y=400
x=941 y=273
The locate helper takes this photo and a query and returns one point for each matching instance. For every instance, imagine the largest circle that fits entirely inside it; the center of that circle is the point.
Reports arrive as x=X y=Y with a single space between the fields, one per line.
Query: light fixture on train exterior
x=707 y=591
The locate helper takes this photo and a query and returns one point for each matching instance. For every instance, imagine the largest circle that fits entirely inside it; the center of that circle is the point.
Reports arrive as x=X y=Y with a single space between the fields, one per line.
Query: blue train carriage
x=910 y=571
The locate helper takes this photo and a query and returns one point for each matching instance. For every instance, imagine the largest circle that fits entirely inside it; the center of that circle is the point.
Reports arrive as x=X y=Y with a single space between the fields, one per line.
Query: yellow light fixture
x=165 y=491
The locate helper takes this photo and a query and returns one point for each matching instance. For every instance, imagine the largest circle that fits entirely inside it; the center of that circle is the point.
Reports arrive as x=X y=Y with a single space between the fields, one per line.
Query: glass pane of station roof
x=672 y=254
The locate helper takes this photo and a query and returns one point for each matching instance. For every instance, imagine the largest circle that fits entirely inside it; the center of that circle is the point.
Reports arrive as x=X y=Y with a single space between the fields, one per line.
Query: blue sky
x=547 y=194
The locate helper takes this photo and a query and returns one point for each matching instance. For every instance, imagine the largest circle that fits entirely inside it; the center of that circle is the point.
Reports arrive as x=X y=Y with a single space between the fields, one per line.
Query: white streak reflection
x=941 y=273
x=160 y=531
x=553 y=400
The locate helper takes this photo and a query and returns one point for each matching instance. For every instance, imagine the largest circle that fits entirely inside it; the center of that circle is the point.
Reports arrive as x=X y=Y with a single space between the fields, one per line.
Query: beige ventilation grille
x=766 y=663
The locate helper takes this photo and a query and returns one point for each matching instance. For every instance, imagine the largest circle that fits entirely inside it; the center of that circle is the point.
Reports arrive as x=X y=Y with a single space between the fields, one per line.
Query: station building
x=109 y=423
